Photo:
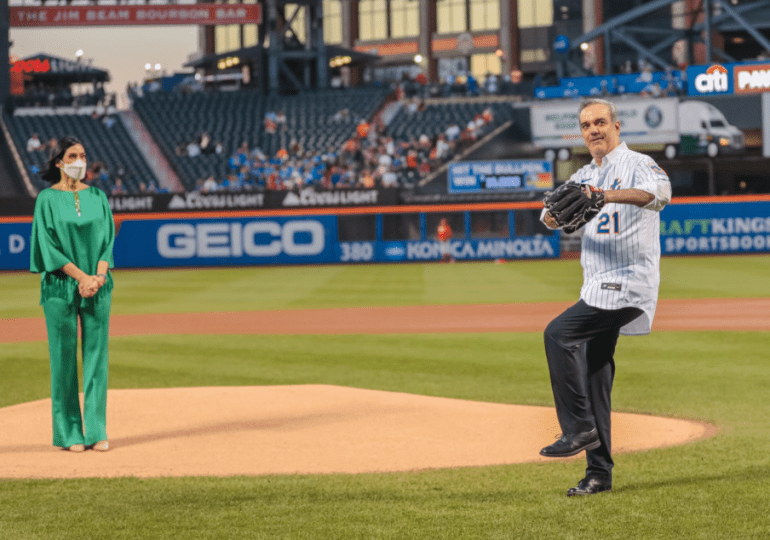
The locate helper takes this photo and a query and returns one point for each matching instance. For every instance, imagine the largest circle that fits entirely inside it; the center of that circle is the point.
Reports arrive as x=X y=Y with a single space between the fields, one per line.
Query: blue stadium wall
x=695 y=226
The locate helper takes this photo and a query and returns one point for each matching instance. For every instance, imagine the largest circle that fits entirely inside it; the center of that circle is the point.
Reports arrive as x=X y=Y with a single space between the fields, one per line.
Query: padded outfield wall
x=389 y=234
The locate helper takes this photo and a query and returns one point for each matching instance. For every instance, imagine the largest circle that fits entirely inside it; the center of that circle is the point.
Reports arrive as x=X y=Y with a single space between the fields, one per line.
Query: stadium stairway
x=14 y=182
x=167 y=178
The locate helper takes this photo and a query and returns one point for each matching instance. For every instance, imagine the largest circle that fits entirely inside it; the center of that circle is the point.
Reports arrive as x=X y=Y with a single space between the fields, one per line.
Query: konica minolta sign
x=728 y=79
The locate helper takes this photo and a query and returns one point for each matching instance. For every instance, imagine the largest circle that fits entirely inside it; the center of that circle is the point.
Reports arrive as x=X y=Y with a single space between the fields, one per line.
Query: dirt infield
x=301 y=429
x=678 y=315
x=328 y=429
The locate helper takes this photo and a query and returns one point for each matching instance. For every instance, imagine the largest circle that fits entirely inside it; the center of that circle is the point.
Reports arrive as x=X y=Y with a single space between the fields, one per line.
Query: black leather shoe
x=589 y=486
x=569 y=445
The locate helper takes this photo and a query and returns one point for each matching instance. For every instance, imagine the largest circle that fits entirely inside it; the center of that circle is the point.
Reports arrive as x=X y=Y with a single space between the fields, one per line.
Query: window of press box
x=456 y=221
x=527 y=223
x=490 y=224
x=357 y=228
x=400 y=227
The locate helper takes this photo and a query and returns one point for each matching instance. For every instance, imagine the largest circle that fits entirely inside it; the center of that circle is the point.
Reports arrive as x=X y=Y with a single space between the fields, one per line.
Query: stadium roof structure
x=258 y=52
x=63 y=71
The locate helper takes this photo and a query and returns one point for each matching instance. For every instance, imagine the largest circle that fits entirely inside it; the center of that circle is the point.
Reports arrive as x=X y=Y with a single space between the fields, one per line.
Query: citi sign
x=236 y=239
x=714 y=80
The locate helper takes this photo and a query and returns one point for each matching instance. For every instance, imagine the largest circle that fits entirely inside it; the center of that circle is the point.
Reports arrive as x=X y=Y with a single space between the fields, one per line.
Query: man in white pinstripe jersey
x=621 y=273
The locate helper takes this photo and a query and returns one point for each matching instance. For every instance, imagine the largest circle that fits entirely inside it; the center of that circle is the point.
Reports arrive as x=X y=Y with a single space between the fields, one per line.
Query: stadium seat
x=111 y=145
x=236 y=117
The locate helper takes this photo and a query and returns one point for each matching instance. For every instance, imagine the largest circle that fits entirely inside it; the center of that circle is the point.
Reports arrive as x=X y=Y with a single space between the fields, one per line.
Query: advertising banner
x=715 y=228
x=292 y=240
x=725 y=79
x=185 y=202
x=250 y=200
x=526 y=247
x=492 y=176
x=105 y=15
x=642 y=121
x=226 y=242
x=311 y=197
x=14 y=246
x=685 y=229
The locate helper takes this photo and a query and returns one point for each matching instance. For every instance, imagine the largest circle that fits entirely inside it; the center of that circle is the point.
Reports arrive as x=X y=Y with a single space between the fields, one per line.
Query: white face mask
x=76 y=169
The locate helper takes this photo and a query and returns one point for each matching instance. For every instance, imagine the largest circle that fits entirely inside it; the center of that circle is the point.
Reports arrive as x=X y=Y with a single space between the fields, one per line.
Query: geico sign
x=714 y=80
x=254 y=239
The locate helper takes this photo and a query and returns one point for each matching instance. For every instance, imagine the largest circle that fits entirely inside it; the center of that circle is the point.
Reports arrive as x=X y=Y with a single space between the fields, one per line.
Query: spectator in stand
x=295 y=149
x=119 y=188
x=193 y=149
x=452 y=132
x=258 y=154
x=50 y=145
x=384 y=159
x=280 y=121
x=491 y=83
x=34 y=143
x=442 y=148
x=473 y=85
x=270 y=123
x=232 y=182
x=645 y=77
x=471 y=130
x=342 y=115
x=206 y=144
x=411 y=162
x=243 y=153
x=209 y=185
x=389 y=178
x=363 y=129
x=367 y=179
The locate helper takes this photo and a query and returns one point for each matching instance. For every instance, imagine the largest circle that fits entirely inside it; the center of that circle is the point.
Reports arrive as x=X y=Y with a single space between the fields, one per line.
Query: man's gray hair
x=596 y=101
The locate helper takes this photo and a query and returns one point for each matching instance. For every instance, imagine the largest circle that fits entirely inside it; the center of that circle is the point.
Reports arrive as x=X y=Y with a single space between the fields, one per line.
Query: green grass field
x=712 y=489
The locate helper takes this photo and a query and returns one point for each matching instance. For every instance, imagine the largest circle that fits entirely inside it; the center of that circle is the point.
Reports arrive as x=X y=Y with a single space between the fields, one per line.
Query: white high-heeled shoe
x=77 y=448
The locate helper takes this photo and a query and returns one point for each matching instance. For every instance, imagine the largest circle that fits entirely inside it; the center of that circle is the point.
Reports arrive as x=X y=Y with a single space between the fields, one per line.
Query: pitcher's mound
x=301 y=429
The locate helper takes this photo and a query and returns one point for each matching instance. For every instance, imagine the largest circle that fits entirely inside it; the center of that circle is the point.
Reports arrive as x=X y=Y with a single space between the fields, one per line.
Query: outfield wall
x=389 y=234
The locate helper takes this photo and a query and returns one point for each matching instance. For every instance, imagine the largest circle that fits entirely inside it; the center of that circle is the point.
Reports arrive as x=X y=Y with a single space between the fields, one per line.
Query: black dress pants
x=580 y=347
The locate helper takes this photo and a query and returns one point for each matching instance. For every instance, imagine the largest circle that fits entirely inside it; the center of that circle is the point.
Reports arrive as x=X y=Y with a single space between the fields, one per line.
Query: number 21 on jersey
x=604 y=225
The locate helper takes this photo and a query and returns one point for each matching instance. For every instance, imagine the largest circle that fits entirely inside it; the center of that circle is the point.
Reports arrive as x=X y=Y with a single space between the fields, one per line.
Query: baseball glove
x=571 y=207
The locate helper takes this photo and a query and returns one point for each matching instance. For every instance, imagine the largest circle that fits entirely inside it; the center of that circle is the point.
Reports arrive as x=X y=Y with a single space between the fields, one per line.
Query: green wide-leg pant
x=61 y=319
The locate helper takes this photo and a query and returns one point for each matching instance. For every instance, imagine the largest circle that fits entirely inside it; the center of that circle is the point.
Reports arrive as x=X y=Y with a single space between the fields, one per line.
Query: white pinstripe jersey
x=621 y=246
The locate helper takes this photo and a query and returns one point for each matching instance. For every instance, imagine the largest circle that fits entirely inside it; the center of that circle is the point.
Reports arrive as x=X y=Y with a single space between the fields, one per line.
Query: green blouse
x=60 y=236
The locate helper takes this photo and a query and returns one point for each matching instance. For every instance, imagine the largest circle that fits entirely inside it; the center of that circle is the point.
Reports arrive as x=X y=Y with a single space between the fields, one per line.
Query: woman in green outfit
x=71 y=244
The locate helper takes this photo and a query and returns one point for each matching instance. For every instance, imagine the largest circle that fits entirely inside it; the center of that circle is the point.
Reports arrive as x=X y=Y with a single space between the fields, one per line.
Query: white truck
x=681 y=128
